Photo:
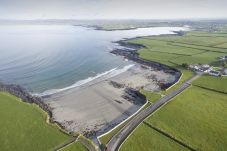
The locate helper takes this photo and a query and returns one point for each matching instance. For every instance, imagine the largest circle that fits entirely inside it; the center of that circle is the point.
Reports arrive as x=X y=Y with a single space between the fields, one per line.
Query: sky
x=112 y=9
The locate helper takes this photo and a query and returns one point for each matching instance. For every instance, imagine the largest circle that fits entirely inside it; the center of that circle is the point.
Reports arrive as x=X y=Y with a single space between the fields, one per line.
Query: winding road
x=118 y=139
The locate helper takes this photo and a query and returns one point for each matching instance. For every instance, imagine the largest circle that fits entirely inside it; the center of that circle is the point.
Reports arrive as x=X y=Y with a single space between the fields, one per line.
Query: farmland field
x=147 y=139
x=203 y=58
x=151 y=96
x=197 y=117
x=23 y=127
x=76 y=146
x=201 y=40
x=176 y=50
x=210 y=82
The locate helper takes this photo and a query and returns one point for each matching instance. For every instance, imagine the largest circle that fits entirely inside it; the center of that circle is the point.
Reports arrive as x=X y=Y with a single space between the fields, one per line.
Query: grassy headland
x=196 y=118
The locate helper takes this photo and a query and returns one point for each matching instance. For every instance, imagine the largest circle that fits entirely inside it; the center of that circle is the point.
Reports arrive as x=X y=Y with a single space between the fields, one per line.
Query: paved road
x=118 y=139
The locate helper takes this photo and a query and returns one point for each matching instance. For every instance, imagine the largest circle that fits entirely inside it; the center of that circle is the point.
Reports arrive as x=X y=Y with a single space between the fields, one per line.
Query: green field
x=151 y=96
x=76 y=146
x=210 y=82
x=23 y=127
x=203 y=58
x=201 y=40
x=176 y=50
x=165 y=46
x=197 y=117
x=223 y=45
x=147 y=139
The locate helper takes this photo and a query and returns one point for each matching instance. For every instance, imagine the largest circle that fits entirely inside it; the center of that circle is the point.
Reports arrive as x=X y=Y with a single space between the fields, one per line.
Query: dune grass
x=23 y=127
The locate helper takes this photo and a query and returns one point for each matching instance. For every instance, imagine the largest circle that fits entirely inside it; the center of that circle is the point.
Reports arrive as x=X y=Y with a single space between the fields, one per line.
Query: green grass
x=157 y=56
x=106 y=138
x=211 y=82
x=176 y=50
x=197 y=117
x=151 y=96
x=186 y=74
x=206 y=34
x=165 y=47
x=145 y=138
x=201 y=48
x=203 y=58
x=76 y=146
x=223 y=45
x=23 y=127
x=194 y=40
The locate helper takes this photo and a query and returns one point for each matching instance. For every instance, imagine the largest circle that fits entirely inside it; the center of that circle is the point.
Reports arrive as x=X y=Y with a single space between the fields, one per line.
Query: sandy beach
x=101 y=104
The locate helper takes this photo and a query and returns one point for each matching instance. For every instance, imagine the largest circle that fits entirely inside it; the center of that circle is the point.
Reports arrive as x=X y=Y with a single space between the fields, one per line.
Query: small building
x=223 y=58
x=224 y=73
x=201 y=68
x=215 y=73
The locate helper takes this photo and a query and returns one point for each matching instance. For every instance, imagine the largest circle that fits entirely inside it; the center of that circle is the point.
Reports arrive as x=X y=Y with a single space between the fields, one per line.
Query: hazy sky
x=112 y=9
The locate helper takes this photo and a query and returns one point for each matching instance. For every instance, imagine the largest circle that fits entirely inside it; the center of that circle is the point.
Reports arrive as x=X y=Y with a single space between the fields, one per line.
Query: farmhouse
x=215 y=73
x=201 y=68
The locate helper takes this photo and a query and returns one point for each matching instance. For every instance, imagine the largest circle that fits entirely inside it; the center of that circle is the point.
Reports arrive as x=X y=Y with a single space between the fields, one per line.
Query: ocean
x=47 y=59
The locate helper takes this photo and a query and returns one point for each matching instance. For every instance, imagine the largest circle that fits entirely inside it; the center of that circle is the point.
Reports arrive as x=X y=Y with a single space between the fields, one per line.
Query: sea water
x=47 y=59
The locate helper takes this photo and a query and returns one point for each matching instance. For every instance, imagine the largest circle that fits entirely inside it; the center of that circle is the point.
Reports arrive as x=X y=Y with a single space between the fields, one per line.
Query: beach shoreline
x=119 y=96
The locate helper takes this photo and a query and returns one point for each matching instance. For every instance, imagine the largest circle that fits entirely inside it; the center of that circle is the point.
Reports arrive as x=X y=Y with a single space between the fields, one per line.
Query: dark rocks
x=130 y=52
x=134 y=96
x=117 y=85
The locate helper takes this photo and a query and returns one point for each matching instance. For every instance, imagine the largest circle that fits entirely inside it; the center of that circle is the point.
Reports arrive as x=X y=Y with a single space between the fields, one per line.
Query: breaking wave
x=99 y=77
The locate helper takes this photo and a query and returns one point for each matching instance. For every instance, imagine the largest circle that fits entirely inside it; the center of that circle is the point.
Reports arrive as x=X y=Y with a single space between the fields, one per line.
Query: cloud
x=112 y=9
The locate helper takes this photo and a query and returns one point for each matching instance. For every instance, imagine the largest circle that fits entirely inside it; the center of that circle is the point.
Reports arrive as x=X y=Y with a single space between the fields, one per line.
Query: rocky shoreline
x=130 y=52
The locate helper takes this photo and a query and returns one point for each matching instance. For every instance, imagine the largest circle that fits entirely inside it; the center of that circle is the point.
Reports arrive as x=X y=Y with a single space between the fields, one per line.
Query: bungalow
x=215 y=73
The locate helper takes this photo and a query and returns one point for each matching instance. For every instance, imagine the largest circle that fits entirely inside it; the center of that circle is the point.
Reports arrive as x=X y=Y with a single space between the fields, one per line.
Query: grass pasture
x=76 y=146
x=145 y=138
x=175 y=50
x=197 y=117
x=203 y=58
x=151 y=96
x=223 y=45
x=23 y=127
x=207 y=39
x=214 y=83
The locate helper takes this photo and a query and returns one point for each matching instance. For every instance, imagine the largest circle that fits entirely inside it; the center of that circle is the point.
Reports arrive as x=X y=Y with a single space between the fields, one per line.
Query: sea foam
x=99 y=77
